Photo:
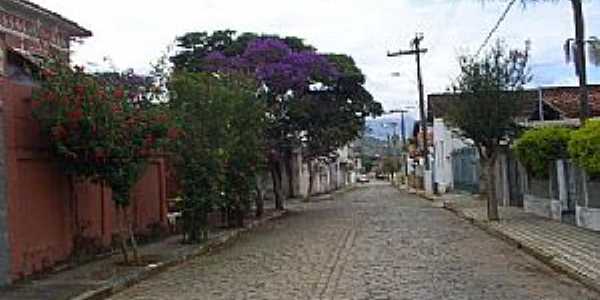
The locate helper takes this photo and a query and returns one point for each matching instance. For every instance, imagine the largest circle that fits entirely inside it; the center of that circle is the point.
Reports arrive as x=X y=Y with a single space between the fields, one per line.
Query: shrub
x=584 y=147
x=538 y=148
x=221 y=150
x=100 y=131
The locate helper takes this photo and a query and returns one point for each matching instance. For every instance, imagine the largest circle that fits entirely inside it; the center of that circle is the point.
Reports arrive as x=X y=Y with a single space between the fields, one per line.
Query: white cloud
x=135 y=33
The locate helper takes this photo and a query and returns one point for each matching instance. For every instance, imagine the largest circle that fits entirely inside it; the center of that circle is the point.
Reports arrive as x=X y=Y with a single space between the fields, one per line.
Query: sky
x=134 y=34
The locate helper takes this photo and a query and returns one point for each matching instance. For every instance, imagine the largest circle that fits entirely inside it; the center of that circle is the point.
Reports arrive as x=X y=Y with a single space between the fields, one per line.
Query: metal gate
x=465 y=169
x=516 y=174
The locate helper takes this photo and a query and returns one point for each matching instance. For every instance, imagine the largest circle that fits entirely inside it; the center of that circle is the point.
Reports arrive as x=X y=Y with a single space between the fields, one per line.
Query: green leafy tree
x=391 y=165
x=368 y=163
x=222 y=148
x=331 y=118
x=288 y=69
x=488 y=100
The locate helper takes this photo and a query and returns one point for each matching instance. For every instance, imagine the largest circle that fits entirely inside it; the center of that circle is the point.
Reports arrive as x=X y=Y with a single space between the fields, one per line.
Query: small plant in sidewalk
x=538 y=148
x=101 y=132
x=584 y=147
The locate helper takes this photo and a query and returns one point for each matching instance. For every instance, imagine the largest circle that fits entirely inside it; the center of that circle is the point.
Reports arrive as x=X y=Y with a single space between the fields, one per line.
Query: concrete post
x=563 y=186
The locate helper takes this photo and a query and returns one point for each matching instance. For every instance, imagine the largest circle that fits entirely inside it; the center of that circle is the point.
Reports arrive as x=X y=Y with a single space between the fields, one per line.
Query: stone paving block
x=371 y=243
x=568 y=248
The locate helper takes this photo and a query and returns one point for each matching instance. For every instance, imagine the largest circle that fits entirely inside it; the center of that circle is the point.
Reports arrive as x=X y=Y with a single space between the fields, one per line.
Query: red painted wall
x=43 y=215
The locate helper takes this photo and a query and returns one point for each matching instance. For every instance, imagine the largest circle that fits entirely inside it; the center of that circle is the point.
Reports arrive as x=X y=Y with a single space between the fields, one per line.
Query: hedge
x=584 y=147
x=538 y=148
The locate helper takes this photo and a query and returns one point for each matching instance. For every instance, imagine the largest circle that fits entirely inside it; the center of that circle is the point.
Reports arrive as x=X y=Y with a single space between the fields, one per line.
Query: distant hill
x=380 y=128
x=372 y=147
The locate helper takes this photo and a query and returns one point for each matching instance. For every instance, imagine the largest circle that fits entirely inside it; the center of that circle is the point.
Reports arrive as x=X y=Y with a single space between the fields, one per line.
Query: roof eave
x=74 y=29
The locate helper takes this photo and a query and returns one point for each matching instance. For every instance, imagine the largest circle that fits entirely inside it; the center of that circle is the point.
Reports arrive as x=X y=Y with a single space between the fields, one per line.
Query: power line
x=500 y=20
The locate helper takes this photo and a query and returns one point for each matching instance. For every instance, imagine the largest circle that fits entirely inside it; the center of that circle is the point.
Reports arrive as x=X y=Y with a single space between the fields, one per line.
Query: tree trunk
x=277 y=189
x=311 y=175
x=290 y=175
x=122 y=241
x=488 y=163
x=239 y=215
x=580 y=59
x=134 y=246
x=260 y=199
x=224 y=212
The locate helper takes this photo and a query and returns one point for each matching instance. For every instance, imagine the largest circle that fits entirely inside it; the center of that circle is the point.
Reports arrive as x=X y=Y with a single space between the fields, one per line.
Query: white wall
x=327 y=177
x=445 y=142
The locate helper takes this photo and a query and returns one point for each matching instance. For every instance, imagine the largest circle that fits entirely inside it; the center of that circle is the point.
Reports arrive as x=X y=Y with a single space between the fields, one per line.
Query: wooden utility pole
x=417 y=51
x=580 y=60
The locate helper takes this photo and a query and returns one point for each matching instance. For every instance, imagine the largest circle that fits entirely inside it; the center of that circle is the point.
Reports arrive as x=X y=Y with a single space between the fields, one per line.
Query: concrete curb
x=536 y=252
x=121 y=284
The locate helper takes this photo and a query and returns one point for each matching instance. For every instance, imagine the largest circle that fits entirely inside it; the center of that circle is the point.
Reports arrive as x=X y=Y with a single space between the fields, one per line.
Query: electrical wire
x=496 y=27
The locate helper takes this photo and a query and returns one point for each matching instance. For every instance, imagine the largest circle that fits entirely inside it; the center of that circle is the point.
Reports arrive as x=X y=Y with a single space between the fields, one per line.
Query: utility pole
x=402 y=113
x=417 y=51
x=403 y=127
x=580 y=60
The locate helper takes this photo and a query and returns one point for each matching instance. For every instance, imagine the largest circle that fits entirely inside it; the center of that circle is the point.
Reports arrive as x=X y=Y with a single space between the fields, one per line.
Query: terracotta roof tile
x=563 y=99
x=566 y=99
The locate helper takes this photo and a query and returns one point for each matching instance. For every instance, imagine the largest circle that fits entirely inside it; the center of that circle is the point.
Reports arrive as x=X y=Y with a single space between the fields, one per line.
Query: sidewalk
x=104 y=277
x=569 y=249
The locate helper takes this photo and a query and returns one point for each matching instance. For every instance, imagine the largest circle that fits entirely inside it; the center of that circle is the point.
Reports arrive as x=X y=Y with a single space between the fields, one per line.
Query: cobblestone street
x=371 y=243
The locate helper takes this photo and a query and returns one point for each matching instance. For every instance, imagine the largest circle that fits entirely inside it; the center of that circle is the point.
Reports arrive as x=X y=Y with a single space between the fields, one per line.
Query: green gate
x=466 y=169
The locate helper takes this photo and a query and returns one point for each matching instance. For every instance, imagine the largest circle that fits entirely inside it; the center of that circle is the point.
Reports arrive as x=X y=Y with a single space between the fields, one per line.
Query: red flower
x=76 y=115
x=117 y=109
x=119 y=93
x=162 y=118
x=35 y=104
x=59 y=132
x=173 y=133
x=48 y=73
x=49 y=96
x=79 y=90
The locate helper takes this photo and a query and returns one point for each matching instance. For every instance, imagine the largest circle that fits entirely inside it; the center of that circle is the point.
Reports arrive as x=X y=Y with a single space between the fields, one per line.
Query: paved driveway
x=372 y=243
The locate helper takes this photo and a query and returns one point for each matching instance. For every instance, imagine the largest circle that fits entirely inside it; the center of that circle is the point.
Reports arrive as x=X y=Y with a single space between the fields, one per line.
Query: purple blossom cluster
x=266 y=51
x=277 y=65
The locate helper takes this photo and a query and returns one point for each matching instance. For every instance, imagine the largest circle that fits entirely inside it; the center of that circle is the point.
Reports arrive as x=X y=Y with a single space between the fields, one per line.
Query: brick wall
x=33 y=35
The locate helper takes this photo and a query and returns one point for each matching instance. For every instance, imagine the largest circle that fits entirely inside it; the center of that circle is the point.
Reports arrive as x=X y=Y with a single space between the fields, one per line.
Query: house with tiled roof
x=45 y=218
x=544 y=105
x=29 y=28
x=455 y=161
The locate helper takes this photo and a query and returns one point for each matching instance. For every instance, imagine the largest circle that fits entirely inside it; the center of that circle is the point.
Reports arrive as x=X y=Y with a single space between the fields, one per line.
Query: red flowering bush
x=100 y=131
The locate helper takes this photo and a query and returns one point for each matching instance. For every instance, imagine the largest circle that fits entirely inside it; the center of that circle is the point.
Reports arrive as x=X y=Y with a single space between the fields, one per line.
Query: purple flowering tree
x=287 y=76
x=317 y=102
